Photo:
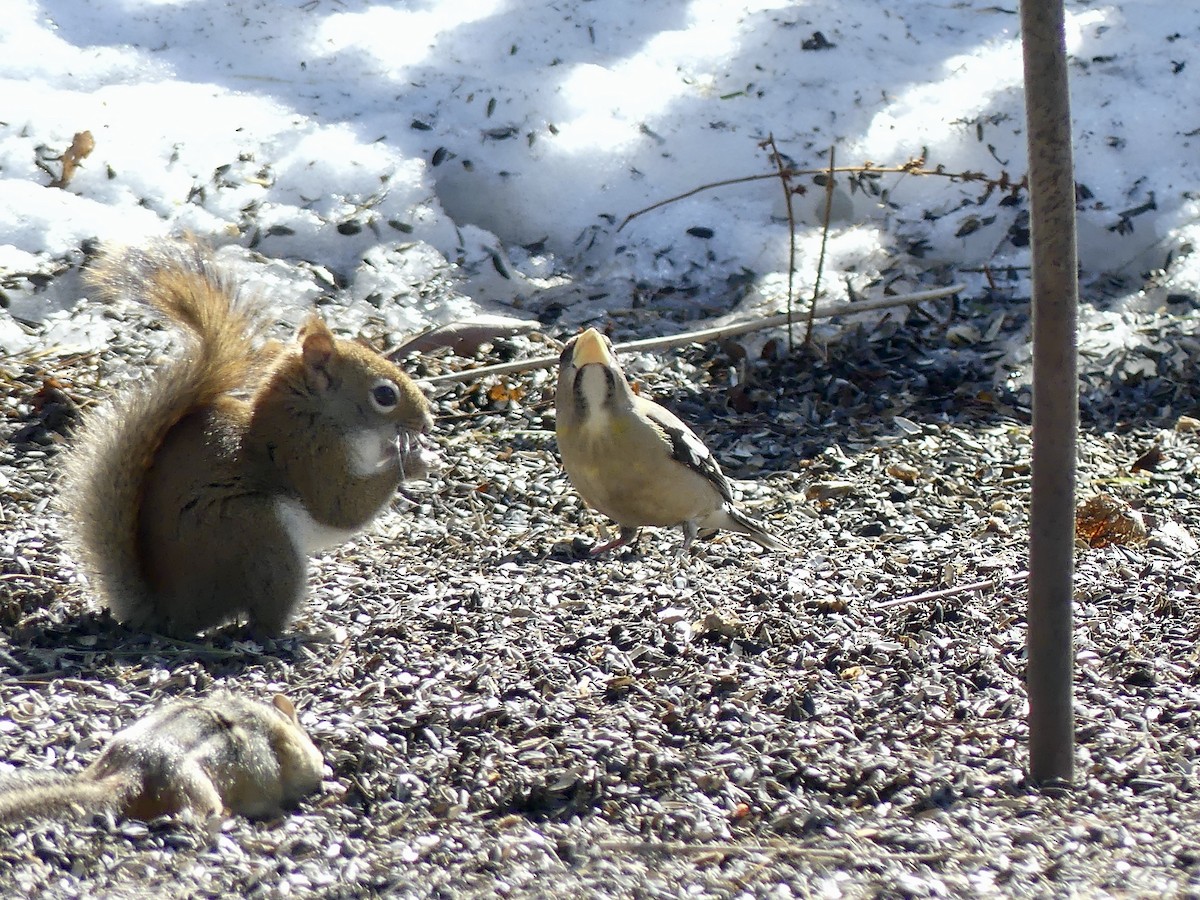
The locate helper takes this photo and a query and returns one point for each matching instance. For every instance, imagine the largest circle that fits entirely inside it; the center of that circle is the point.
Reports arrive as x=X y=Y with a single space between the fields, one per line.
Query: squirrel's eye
x=384 y=396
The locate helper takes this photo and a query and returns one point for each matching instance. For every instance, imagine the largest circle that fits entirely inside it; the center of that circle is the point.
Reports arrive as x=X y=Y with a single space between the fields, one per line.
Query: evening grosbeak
x=634 y=461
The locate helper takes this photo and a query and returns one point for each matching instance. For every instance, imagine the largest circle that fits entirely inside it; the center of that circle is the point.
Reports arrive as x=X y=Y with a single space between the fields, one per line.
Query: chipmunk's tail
x=50 y=795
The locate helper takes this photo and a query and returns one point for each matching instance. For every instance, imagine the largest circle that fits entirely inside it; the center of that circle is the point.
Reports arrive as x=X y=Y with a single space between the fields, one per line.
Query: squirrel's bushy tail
x=104 y=472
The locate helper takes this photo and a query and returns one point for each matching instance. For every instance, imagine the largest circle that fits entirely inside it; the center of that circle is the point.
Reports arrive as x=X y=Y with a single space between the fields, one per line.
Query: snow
x=493 y=147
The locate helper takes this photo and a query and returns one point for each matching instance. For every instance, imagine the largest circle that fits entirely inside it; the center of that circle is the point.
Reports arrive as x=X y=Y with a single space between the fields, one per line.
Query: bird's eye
x=567 y=351
x=384 y=395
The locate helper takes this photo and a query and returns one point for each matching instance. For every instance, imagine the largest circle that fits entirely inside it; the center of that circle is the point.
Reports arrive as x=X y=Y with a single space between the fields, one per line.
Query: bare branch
x=949 y=592
x=1002 y=182
x=707 y=334
x=824 y=242
x=786 y=181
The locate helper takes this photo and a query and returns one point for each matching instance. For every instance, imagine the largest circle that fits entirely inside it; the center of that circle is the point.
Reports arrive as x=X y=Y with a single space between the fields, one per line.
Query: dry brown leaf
x=1186 y=424
x=1104 y=520
x=464 y=338
x=824 y=492
x=1149 y=460
x=498 y=393
x=82 y=144
x=904 y=472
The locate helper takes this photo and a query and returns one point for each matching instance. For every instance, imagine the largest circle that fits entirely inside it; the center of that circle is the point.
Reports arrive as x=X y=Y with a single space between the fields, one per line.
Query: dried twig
x=1003 y=182
x=785 y=180
x=707 y=334
x=951 y=591
x=28 y=576
x=700 y=190
x=779 y=848
x=824 y=242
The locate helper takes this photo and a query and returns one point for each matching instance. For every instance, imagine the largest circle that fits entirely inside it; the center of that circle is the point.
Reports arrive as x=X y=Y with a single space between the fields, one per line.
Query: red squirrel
x=197 y=495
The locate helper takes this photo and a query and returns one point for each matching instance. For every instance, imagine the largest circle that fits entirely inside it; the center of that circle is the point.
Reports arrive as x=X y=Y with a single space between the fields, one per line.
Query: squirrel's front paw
x=418 y=457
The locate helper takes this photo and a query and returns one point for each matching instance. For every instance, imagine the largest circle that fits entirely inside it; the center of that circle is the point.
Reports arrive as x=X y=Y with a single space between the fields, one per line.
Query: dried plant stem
x=915 y=167
x=698 y=190
x=786 y=182
x=778 y=848
x=707 y=334
x=824 y=242
x=950 y=591
x=29 y=576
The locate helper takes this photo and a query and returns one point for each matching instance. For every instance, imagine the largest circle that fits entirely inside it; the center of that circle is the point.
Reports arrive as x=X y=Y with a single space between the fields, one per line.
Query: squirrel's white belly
x=306 y=533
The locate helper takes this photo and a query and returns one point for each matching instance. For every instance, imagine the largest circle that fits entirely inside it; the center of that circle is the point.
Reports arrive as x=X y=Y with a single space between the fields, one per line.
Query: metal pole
x=1055 y=392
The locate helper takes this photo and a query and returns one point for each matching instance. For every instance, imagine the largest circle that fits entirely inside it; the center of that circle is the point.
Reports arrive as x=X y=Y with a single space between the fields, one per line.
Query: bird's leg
x=690 y=530
x=627 y=534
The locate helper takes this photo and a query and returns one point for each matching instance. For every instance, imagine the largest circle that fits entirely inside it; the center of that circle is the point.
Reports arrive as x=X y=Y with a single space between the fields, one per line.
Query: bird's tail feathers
x=736 y=520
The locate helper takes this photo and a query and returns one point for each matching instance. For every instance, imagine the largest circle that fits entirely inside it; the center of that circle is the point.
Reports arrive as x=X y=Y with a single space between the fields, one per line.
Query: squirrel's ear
x=316 y=349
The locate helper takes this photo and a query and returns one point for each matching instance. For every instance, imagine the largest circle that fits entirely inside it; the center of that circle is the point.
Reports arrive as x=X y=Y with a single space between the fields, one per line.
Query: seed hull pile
x=502 y=716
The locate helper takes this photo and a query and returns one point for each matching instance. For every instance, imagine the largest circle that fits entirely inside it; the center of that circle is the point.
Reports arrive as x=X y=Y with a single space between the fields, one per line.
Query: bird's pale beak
x=591 y=348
